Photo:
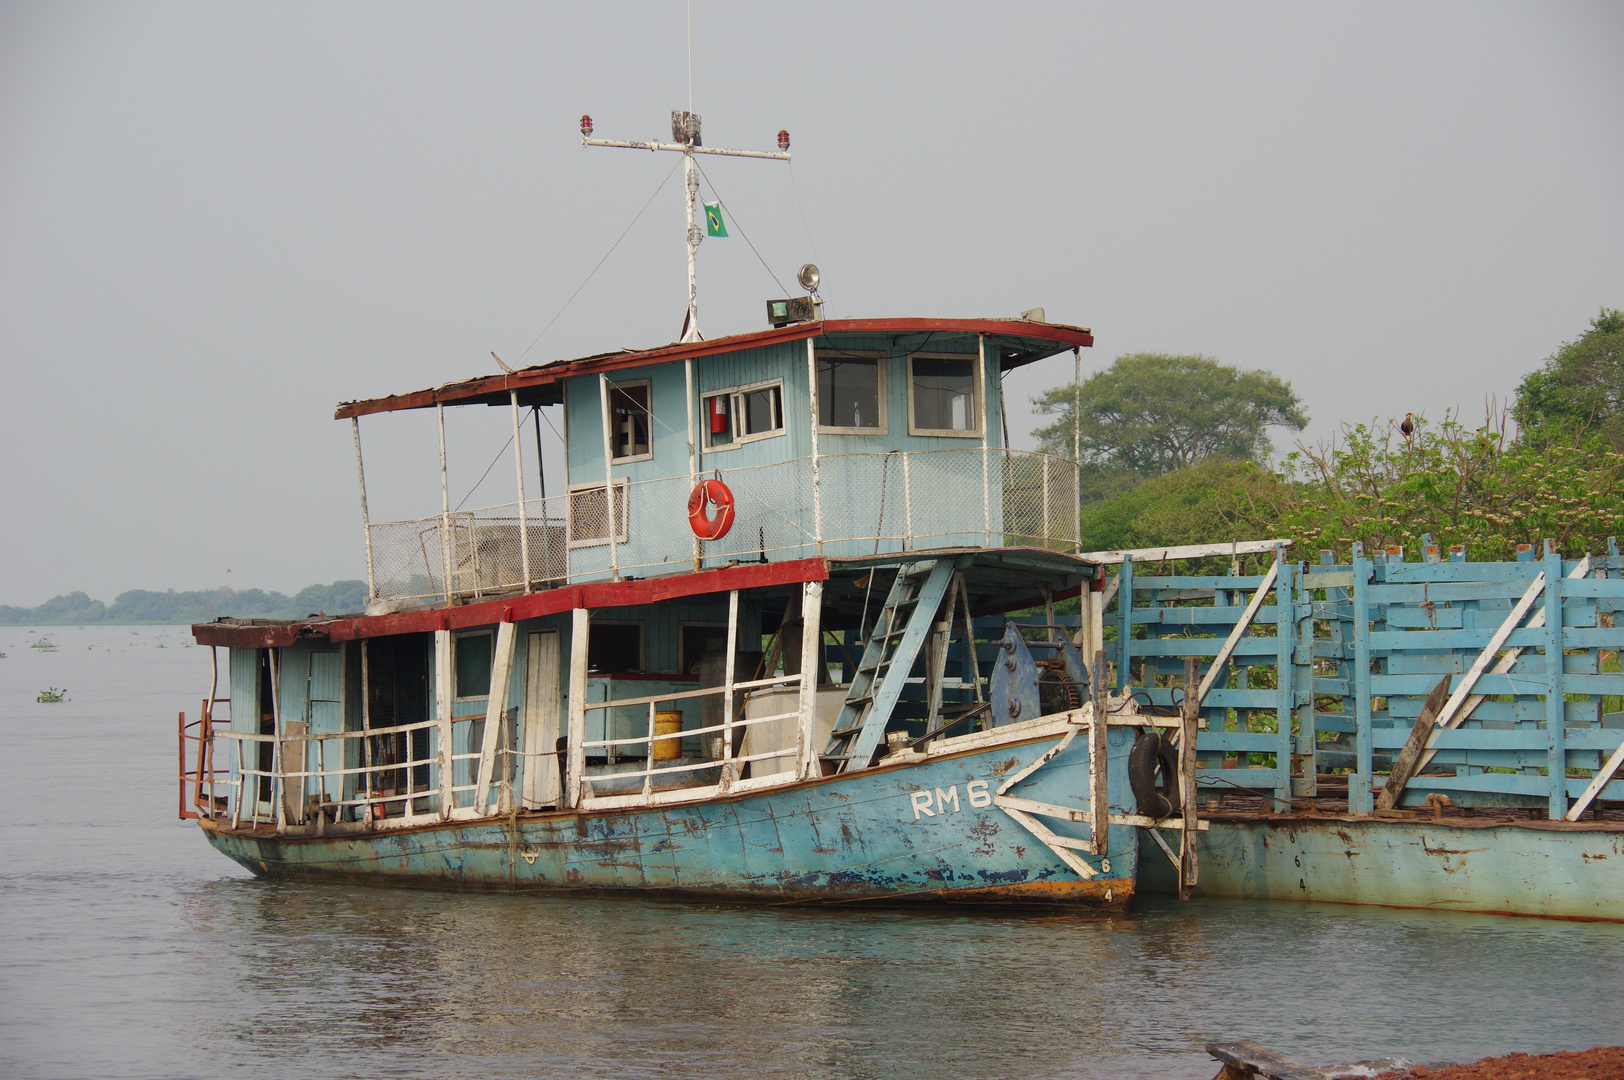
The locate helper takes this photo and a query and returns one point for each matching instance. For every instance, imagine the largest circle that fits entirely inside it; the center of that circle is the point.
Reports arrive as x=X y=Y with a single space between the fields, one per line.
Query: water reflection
x=132 y=950
x=423 y=984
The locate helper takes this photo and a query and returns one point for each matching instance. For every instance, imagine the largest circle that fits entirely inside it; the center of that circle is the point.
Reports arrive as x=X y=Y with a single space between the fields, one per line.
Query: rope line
x=742 y=233
x=595 y=269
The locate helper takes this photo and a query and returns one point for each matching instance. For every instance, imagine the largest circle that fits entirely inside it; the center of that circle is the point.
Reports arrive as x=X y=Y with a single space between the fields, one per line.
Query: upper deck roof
x=1018 y=342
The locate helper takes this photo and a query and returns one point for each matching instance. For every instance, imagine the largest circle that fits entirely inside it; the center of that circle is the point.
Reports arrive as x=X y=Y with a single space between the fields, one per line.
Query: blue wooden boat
x=758 y=648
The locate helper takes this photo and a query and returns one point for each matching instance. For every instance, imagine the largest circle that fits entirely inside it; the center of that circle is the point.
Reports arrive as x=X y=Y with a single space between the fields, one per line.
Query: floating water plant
x=47 y=697
x=44 y=644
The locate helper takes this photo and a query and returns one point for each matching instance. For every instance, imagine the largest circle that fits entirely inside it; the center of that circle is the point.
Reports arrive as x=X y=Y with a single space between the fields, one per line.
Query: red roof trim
x=601 y=594
x=451 y=393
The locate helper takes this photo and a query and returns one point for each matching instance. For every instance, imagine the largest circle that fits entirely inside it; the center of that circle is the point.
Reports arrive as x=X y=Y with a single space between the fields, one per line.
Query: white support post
x=907 y=505
x=693 y=453
x=609 y=478
x=986 y=460
x=728 y=676
x=366 y=734
x=495 y=712
x=1077 y=442
x=278 y=787
x=1045 y=501
x=445 y=506
x=518 y=472
x=812 y=398
x=812 y=666
x=580 y=629
x=444 y=674
x=366 y=522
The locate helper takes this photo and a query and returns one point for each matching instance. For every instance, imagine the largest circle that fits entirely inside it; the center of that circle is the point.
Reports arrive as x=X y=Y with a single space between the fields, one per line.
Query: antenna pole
x=685 y=130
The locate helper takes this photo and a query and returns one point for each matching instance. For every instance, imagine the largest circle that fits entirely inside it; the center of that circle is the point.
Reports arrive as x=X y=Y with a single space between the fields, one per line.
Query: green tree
x=1471 y=486
x=1579 y=391
x=1150 y=413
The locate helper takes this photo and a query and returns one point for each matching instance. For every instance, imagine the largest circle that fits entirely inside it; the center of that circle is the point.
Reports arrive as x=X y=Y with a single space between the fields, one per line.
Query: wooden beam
x=445 y=673
x=1404 y=766
x=579 y=630
x=1099 y=789
x=1236 y=634
x=1186 y=551
x=1189 y=716
x=1599 y=781
x=495 y=711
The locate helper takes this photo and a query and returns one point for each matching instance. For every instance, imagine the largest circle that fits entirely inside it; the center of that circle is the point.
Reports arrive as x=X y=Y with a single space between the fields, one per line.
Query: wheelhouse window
x=614 y=647
x=744 y=414
x=629 y=419
x=851 y=392
x=588 y=520
x=942 y=396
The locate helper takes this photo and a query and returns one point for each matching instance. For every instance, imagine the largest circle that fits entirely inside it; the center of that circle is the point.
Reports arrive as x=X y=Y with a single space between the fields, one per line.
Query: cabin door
x=541 y=784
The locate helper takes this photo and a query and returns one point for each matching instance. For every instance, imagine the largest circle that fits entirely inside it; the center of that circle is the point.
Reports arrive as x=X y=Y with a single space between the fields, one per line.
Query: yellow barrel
x=667 y=735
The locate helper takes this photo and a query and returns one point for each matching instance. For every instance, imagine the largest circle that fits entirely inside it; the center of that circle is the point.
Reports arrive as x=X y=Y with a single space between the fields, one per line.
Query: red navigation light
x=783 y=140
x=586 y=127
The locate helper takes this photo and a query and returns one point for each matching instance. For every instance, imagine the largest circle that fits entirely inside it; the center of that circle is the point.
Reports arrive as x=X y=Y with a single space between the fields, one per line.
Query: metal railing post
x=986 y=466
x=812 y=399
x=609 y=478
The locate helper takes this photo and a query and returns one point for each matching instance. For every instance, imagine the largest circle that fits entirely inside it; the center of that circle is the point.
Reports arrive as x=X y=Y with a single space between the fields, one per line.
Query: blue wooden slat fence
x=1332 y=672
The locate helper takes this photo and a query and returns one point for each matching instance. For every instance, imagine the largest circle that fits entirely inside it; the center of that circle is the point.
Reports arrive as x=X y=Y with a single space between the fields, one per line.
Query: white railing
x=895 y=502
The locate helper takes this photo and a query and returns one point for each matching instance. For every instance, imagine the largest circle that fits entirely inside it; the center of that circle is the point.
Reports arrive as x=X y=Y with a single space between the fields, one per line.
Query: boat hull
x=920 y=832
x=1570 y=872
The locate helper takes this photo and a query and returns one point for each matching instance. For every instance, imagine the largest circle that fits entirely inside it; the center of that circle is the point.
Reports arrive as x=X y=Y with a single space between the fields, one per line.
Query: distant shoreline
x=142 y=607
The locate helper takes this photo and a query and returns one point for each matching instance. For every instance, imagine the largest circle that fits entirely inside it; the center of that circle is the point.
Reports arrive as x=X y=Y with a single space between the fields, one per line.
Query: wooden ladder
x=899 y=632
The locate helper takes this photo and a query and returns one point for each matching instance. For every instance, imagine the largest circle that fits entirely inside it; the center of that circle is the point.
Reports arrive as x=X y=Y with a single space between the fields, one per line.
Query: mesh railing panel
x=870 y=503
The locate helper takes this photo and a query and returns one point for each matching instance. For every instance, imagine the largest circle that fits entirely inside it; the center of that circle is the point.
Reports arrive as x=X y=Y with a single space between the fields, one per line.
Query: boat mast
x=686 y=141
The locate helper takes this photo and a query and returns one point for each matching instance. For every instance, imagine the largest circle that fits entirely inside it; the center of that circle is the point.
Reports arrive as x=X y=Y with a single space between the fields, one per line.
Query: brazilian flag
x=713 y=220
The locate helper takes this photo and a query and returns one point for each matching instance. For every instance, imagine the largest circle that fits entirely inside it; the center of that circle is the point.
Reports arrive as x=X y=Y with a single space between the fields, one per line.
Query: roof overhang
x=1018 y=342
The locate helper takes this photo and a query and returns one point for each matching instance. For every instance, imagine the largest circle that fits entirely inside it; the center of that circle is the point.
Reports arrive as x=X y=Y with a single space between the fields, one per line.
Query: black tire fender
x=1153 y=756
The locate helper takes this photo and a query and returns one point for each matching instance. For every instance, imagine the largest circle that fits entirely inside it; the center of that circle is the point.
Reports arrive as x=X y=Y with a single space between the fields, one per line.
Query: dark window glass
x=761 y=411
x=615 y=647
x=848 y=392
x=474 y=666
x=944 y=393
x=699 y=640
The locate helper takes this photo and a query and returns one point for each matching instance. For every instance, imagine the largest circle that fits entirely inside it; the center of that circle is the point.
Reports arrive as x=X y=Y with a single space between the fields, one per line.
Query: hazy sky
x=219 y=220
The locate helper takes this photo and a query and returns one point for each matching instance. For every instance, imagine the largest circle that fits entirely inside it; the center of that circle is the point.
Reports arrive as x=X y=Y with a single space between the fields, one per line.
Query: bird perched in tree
x=1407 y=426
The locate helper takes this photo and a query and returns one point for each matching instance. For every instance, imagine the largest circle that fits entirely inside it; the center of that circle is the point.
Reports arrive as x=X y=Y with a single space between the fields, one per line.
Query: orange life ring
x=705 y=493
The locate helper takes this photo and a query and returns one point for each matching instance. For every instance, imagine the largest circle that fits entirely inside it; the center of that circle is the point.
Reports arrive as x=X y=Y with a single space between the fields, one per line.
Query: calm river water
x=130 y=949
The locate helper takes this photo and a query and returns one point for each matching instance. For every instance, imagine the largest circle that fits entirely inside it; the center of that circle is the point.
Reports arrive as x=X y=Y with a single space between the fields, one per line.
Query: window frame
x=620 y=484
x=614 y=436
x=457 y=639
x=881 y=362
x=642 y=645
x=977 y=391
x=735 y=394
